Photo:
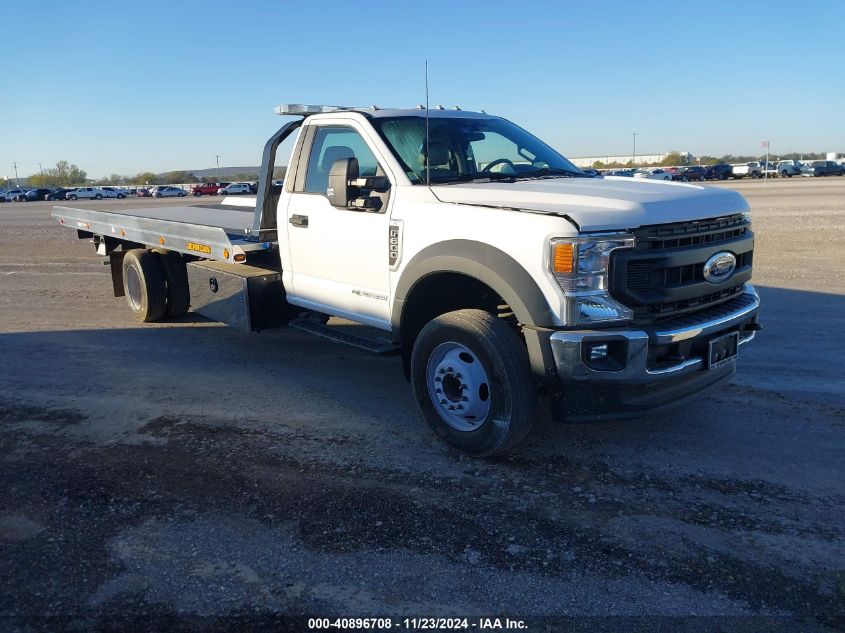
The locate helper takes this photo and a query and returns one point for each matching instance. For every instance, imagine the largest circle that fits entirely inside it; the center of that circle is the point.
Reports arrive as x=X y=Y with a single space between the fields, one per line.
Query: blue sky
x=124 y=87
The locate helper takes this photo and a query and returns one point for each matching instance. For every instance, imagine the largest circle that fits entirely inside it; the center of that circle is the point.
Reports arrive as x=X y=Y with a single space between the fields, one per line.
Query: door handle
x=299 y=220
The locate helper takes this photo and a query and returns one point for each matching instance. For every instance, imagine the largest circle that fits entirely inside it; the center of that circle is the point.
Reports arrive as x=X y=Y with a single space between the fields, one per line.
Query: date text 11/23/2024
x=430 y=624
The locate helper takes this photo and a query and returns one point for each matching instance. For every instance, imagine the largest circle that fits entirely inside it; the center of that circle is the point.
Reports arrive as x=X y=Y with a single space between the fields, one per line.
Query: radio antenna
x=427 y=166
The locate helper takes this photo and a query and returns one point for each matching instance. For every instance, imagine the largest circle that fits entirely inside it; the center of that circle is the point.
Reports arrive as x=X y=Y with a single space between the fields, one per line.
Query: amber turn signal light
x=563 y=256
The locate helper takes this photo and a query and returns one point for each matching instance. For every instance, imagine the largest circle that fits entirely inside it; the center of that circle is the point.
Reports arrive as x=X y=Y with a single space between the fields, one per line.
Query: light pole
x=634 y=156
x=217 y=156
x=17 y=182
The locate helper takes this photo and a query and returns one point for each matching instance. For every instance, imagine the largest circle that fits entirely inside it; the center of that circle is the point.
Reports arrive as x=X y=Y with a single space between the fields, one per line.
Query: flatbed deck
x=218 y=232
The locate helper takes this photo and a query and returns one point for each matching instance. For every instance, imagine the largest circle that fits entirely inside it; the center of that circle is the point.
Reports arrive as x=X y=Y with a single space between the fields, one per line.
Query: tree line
x=66 y=174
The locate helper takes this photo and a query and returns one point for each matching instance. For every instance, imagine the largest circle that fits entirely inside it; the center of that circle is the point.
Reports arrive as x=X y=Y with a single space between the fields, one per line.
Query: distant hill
x=226 y=171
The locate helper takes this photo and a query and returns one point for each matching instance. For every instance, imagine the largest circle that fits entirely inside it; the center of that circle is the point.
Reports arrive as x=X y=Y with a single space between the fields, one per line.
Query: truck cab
x=496 y=269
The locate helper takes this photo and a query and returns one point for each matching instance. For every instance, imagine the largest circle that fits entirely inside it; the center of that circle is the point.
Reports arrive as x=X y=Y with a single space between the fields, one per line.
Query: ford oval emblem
x=719 y=267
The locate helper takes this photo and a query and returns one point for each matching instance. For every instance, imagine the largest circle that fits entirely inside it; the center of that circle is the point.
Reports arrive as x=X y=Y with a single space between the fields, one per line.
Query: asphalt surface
x=186 y=468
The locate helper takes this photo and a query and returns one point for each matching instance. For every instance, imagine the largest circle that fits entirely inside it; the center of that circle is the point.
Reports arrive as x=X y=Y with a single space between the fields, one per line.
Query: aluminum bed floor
x=217 y=232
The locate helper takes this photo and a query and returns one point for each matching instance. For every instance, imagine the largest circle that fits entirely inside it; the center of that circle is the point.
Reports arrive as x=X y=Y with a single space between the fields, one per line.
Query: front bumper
x=650 y=367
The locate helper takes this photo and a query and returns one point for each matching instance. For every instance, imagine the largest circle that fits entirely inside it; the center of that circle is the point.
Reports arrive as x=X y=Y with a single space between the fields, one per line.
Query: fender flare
x=503 y=274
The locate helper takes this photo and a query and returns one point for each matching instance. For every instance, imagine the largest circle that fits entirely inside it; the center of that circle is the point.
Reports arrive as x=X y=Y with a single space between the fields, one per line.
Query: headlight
x=580 y=267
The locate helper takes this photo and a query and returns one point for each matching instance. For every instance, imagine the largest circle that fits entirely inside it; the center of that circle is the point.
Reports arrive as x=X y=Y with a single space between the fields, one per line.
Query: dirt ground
x=186 y=468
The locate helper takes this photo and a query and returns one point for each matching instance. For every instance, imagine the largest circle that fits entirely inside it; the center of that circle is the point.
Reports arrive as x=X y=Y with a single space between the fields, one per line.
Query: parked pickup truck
x=488 y=262
x=789 y=168
x=208 y=189
x=752 y=170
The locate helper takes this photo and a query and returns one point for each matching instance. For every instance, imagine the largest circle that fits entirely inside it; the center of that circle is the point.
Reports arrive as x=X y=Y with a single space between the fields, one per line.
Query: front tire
x=472 y=380
x=144 y=285
x=98 y=197
x=73 y=197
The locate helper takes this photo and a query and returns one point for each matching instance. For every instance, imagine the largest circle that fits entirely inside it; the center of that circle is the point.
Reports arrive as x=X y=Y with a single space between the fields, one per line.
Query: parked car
x=14 y=195
x=719 y=171
x=57 y=194
x=208 y=188
x=38 y=194
x=752 y=170
x=694 y=172
x=658 y=173
x=827 y=168
x=770 y=170
x=169 y=192
x=789 y=168
x=143 y=192
x=90 y=193
x=628 y=173
x=236 y=189
x=592 y=173
x=113 y=192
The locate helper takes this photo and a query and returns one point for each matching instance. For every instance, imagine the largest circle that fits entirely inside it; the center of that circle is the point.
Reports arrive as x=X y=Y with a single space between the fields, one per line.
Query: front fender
x=500 y=272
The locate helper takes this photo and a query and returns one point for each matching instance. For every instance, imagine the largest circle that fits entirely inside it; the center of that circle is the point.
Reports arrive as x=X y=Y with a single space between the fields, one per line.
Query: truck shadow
x=288 y=375
x=165 y=438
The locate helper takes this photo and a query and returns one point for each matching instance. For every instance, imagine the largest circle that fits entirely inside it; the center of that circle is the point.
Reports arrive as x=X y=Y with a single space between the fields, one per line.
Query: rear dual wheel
x=155 y=283
x=472 y=380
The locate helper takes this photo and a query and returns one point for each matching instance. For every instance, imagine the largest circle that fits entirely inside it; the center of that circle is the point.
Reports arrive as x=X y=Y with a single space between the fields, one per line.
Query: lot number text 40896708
x=417 y=624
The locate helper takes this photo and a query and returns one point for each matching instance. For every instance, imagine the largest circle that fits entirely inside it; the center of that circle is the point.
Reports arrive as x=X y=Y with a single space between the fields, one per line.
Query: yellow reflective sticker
x=199 y=248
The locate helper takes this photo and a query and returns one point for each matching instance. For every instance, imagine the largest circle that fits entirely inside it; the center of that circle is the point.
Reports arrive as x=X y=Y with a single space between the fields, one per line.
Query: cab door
x=339 y=261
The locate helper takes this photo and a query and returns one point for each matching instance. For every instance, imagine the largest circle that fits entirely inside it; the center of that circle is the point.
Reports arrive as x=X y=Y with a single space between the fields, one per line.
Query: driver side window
x=331 y=143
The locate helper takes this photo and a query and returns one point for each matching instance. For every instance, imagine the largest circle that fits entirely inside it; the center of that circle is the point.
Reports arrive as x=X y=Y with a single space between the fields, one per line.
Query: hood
x=601 y=204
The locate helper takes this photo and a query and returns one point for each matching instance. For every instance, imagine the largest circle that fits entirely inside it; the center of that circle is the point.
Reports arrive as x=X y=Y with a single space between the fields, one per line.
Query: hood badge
x=719 y=267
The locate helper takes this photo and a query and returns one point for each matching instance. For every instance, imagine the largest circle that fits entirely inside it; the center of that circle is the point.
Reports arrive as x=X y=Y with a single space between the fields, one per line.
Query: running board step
x=375 y=346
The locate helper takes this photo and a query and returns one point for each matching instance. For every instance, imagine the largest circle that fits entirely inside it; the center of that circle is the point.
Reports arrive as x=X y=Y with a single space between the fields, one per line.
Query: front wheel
x=73 y=197
x=472 y=380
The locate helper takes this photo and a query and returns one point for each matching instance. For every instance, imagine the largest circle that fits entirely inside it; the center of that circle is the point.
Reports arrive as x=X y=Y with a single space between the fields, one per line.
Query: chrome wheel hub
x=458 y=386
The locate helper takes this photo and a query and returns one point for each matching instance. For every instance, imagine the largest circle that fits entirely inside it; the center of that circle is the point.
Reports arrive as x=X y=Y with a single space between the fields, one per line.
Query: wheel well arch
x=438 y=293
x=463 y=274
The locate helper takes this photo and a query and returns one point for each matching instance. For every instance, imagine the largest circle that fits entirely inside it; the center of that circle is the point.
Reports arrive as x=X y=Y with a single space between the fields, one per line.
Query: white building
x=641 y=159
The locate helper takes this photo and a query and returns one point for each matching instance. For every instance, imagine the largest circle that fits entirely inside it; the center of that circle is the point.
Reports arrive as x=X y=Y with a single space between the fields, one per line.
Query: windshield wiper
x=479 y=177
x=551 y=173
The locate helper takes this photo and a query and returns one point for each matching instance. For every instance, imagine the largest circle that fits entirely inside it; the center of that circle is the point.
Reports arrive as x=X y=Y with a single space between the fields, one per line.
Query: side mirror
x=343 y=170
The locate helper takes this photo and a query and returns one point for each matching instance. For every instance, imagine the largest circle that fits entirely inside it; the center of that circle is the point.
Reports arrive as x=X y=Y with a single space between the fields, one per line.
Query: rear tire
x=144 y=285
x=98 y=197
x=176 y=277
x=473 y=362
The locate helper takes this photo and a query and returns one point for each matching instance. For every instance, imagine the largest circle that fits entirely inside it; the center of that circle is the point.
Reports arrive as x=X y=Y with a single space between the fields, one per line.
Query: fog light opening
x=607 y=355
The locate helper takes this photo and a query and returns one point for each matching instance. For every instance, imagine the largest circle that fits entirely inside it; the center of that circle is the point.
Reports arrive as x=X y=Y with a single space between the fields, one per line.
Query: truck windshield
x=464 y=149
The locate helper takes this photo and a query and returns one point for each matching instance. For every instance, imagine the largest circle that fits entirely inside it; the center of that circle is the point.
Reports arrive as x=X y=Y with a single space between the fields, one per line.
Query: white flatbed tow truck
x=498 y=270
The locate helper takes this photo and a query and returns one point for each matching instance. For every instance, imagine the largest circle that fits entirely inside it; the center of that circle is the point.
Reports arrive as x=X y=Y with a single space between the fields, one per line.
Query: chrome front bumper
x=568 y=346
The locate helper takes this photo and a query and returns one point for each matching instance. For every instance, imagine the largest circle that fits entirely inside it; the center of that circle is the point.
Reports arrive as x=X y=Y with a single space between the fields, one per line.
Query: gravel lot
x=188 y=468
